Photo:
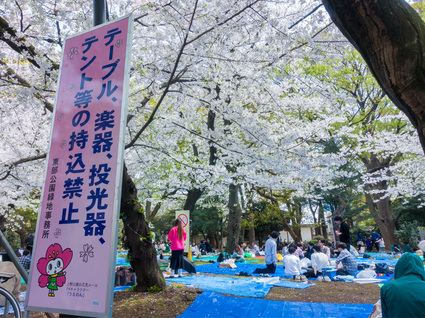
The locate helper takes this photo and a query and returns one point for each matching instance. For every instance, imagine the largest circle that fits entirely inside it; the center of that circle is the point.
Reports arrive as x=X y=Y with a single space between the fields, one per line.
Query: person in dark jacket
x=309 y=251
x=404 y=296
x=375 y=240
x=344 y=232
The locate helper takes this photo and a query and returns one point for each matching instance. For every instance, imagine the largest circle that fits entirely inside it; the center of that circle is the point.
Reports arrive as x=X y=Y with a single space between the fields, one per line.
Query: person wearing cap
x=271 y=255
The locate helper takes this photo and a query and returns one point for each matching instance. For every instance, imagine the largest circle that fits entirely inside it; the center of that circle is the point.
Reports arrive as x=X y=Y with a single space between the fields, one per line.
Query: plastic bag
x=367 y=273
x=305 y=262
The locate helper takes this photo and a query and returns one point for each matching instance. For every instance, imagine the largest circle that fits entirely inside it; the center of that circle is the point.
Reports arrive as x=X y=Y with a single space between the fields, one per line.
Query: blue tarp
x=234 y=286
x=280 y=270
x=241 y=267
x=211 y=304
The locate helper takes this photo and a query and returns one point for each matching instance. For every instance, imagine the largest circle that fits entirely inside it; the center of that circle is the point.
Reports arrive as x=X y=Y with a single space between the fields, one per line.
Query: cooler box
x=330 y=272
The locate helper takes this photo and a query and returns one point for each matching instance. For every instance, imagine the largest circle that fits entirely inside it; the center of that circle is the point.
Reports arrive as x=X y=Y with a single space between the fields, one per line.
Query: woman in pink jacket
x=177 y=236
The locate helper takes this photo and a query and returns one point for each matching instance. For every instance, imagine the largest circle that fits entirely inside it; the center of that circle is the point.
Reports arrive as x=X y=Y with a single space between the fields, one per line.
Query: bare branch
x=19 y=162
x=23 y=82
x=169 y=82
x=304 y=17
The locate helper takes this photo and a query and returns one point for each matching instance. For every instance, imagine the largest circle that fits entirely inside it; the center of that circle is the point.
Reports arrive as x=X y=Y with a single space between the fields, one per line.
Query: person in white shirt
x=318 y=261
x=292 y=263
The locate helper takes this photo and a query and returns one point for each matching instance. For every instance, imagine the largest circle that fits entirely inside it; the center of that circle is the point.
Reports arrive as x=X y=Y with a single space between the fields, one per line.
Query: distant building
x=307 y=233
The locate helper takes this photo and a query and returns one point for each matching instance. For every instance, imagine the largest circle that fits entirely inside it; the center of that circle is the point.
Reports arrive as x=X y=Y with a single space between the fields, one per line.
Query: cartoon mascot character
x=52 y=268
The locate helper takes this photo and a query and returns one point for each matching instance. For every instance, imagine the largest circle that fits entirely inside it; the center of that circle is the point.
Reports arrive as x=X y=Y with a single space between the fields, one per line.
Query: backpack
x=382 y=268
x=220 y=257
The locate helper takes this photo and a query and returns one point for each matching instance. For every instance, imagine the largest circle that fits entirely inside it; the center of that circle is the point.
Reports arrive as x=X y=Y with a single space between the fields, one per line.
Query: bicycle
x=10 y=299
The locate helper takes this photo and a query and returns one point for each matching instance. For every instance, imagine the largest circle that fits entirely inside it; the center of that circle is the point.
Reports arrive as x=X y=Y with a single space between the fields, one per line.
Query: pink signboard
x=73 y=261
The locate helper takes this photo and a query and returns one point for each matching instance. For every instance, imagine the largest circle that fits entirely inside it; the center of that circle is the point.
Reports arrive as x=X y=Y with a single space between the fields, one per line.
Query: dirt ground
x=175 y=299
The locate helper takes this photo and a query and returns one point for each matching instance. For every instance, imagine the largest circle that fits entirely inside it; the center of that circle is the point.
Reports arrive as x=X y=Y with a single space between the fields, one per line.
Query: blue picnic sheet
x=241 y=267
x=246 y=287
x=234 y=286
x=280 y=270
x=211 y=304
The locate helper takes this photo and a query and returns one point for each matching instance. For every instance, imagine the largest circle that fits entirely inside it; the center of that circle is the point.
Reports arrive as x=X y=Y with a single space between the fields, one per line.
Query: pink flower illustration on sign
x=87 y=252
x=52 y=268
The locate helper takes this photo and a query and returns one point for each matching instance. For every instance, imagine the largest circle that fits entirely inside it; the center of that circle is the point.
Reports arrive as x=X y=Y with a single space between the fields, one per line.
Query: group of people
x=319 y=254
x=400 y=297
x=203 y=248
x=241 y=249
x=374 y=243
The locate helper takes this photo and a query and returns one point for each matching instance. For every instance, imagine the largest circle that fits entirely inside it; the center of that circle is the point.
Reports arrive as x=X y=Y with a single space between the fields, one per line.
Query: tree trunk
x=380 y=207
x=138 y=240
x=383 y=216
x=390 y=35
x=316 y=220
x=251 y=235
x=192 y=197
x=211 y=239
x=322 y=220
x=235 y=214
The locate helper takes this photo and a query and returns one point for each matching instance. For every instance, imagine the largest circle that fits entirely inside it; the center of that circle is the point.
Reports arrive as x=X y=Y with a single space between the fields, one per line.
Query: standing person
x=359 y=240
x=375 y=240
x=382 y=245
x=271 y=255
x=177 y=236
x=369 y=246
x=404 y=296
x=344 y=231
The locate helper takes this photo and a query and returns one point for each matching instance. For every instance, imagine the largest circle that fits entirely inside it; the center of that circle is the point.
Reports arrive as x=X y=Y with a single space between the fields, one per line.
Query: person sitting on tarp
x=324 y=249
x=309 y=251
x=396 y=249
x=292 y=263
x=256 y=249
x=271 y=255
x=348 y=261
x=195 y=249
x=404 y=296
x=299 y=251
x=203 y=248
x=407 y=248
x=208 y=247
x=319 y=260
x=238 y=252
x=167 y=248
